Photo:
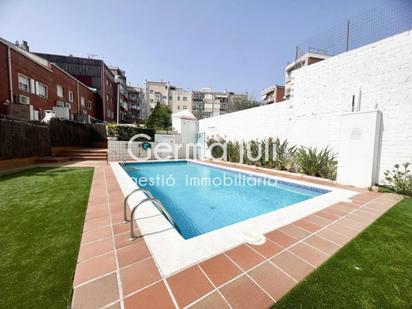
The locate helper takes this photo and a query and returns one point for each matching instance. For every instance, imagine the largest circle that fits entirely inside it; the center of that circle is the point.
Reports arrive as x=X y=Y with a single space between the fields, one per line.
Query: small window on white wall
x=24 y=83
x=60 y=91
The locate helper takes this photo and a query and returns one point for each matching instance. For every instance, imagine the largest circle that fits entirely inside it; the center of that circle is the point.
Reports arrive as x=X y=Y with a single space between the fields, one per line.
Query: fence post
x=347 y=36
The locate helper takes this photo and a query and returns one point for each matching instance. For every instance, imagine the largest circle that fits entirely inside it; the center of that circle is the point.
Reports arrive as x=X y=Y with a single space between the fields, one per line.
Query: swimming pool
x=202 y=198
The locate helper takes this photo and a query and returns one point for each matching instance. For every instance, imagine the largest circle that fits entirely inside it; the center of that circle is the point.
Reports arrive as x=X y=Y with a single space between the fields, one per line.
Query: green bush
x=217 y=152
x=160 y=118
x=400 y=179
x=69 y=133
x=126 y=132
x=314 y=162
x=279 y=155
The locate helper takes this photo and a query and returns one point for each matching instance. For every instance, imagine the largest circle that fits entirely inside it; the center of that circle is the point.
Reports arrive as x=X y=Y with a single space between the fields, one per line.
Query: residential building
x=31 y=86
x=93 y=73
x=208 y=103
x=121 y=94
x=180 y=99
x=273 y=94
x=203 y=103
x=135 y=100
x=155 y=92
x=305 y=60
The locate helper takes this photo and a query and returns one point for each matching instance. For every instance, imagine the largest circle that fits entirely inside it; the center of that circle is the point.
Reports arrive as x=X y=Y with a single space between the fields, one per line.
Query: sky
x=242 y=46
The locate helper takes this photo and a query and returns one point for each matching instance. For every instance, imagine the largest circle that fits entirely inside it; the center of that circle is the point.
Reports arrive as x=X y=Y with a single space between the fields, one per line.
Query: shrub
x=400 y=178
x=20 y=139
x=283 y=155
x=126 y=132
x=217 y=152
x=160 y=118
x=69 y=133
x=320 y=163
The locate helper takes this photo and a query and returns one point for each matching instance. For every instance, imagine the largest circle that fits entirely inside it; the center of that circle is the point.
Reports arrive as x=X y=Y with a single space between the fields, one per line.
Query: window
x=70 y=96
x=184 y=106
x=178 y=98
x=89 y=104
x=68 y=105
x=164 y=97
x=24 y=83
x=82 y=102
x=41 y=90
x=178 y=107
x=184 y=98
x=170 y=97
x=151 y=90
x=60 y=91
x=151 y=100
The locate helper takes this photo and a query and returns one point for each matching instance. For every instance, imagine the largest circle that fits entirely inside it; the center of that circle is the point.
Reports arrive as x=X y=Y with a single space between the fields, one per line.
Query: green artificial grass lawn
x=41 y=217
x=373 y=271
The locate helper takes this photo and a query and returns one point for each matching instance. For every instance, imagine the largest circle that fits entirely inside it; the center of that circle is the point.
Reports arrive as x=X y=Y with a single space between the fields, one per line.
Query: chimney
x=25 y=46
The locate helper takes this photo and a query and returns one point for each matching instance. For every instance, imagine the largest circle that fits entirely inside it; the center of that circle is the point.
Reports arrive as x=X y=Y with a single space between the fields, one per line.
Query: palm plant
x=320 y=163
x=283 y=154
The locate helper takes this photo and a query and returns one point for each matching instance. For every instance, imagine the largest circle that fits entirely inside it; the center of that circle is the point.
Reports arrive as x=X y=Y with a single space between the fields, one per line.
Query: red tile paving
x=296 y=267
x=189 y=285
x=245 y=257
x=113 y=271
x=155 y=296
x=244 y=293
x=220 y=269
x=273 y=280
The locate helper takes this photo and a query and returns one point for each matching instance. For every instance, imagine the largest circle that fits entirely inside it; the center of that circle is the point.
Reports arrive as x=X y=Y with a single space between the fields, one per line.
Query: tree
x=244 y=103
x=160 y=118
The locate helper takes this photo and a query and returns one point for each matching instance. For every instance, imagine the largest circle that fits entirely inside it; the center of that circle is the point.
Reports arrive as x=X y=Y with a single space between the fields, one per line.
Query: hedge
x=126 y=132
x=19 y=139
x=69 y=133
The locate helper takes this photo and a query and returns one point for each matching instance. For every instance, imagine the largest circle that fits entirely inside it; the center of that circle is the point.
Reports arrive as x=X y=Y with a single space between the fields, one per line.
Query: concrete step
x=88 y=150
x=88 y=158
x=52 y=160
x=80 y=154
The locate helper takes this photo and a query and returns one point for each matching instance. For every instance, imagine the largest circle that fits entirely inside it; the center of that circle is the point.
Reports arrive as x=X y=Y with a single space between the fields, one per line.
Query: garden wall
x=376 y=76
x=20 y=139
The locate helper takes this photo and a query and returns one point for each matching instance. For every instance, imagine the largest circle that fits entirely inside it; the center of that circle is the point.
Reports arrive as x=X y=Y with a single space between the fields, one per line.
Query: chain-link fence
x=370 y=26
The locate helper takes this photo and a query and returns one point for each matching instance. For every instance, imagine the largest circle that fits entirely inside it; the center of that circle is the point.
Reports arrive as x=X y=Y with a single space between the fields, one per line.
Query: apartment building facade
x=302 y=61
x=160 y=92
x=31 y=86
x=93 y=73
x=202 y=103
x=135 y=101
x=272 y=94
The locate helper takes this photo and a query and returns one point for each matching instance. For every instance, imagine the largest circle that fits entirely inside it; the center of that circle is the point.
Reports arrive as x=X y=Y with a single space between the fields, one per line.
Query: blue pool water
x=196 y=198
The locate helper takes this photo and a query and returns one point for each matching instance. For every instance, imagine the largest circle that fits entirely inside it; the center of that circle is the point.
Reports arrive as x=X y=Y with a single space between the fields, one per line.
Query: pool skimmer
x=254 y=238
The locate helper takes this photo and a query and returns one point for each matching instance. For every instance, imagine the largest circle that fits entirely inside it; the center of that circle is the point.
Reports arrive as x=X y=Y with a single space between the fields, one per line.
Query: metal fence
x=373 y=25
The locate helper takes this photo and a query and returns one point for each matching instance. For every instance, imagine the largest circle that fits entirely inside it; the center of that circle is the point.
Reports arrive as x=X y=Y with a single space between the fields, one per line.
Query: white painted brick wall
x=381 y=71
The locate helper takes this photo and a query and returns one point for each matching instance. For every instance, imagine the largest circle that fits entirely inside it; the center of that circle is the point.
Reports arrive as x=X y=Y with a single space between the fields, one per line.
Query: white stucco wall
x=378 y=74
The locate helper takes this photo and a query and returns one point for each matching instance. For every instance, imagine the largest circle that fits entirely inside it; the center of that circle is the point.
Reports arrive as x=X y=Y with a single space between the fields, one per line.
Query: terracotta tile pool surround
x=114 y=272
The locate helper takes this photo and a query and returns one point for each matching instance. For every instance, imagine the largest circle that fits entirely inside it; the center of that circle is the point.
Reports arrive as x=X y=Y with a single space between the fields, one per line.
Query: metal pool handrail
x=159 y=207
x=125 y=220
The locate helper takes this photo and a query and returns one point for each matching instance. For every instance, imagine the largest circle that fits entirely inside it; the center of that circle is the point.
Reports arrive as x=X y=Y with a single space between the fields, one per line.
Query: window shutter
x=32 y=86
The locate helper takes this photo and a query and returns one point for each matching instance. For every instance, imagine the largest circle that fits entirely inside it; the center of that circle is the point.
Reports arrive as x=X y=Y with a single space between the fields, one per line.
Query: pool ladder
x=154 y=201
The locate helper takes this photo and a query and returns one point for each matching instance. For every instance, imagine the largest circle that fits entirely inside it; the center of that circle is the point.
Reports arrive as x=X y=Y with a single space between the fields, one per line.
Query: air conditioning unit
x=60 y=104
x=22 y=99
